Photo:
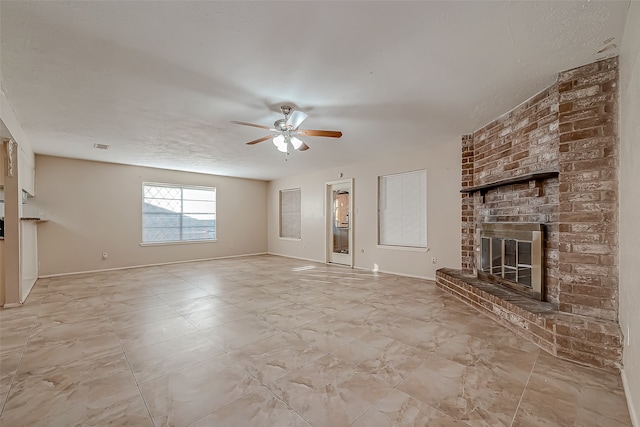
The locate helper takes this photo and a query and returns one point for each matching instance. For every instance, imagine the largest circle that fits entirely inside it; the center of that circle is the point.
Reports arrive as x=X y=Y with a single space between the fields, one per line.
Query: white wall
x=442 y=163
x=95 y=207
x=630 y=207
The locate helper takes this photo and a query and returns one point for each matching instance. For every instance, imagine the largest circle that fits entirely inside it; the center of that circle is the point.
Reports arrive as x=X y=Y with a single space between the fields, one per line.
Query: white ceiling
x=160 y=81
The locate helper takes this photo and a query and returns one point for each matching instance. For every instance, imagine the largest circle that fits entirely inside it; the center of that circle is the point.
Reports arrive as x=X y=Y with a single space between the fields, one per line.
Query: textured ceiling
x=160 y=81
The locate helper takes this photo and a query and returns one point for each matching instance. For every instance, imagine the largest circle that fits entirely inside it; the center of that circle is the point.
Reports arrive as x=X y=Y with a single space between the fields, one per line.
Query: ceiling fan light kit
x=280 y=143
x=287 y=129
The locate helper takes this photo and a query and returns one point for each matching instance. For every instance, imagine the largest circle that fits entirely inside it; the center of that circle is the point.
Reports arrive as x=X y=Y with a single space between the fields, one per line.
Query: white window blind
x=173 y=213
x=402 y=209
x=290 y=213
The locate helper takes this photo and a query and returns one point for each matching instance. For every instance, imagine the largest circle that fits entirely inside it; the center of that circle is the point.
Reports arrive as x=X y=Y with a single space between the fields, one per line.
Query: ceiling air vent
x=101 y=146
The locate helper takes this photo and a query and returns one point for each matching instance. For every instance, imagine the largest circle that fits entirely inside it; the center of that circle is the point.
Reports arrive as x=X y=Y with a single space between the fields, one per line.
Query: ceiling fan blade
x=329 y=133
x=303 y=147
x=295 y=119
x=264 y=138
x=250 y=124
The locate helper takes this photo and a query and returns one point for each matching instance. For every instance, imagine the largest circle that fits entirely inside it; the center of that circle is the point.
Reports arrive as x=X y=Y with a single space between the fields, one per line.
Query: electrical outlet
x=434 y=260
x=105 y=256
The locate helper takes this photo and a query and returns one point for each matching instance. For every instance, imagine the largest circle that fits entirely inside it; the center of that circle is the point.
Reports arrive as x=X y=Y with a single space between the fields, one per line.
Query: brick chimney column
x=588 y=226
x=468 y=221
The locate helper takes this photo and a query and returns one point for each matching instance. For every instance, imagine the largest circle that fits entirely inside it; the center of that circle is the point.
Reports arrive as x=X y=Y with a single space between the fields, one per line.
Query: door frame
x=328 y=214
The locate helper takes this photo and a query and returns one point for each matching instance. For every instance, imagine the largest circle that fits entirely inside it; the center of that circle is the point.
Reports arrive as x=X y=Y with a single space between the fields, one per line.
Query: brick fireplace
x=551 y=161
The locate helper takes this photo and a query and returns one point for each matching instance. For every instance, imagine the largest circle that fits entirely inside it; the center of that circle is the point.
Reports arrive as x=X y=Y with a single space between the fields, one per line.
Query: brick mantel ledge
x=581 y=339
x=536 y=176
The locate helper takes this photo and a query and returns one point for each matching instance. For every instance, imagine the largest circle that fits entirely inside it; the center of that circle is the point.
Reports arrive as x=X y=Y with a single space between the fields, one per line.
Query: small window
x=174 y=213
x=290 y=218
x=402 y=209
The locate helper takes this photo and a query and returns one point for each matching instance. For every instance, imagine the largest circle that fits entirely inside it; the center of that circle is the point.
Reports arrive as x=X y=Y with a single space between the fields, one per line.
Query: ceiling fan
x=288 y=130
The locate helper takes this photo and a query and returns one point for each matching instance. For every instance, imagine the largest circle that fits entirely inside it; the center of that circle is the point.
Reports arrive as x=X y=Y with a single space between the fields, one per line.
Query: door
x=340 y=222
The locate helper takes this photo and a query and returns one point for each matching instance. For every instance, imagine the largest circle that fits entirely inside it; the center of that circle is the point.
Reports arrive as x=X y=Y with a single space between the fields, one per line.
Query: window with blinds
x=402 y=209
x=174 y=213
x=290 y=213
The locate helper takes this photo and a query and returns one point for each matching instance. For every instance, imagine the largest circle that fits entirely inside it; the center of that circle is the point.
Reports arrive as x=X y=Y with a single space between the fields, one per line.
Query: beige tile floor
x=271 y=341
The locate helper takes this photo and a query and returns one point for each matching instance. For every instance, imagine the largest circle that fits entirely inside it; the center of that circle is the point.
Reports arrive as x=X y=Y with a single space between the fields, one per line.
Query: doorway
x=340 y=222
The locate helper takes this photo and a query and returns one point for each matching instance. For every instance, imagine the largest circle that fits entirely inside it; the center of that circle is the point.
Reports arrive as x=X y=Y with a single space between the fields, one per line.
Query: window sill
x=177 y=242
x=290 y=239
x=403 y=248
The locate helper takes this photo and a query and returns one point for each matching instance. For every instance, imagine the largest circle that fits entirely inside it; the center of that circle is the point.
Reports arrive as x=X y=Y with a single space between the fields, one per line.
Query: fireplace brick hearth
x=570 y=129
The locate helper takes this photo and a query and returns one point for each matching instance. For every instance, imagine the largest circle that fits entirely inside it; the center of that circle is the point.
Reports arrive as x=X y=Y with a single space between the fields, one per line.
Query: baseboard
x=358 y=268
x=405 y=275
x=23 y=299
x=296 y=257
x=12 y=305
x=627 y=392
x=74 y=273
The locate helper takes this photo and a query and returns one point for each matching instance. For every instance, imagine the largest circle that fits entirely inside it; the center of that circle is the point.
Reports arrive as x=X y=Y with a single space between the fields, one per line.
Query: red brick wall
x=468 y=221
x=570 y=128
x=520 y=142
x=588 y=253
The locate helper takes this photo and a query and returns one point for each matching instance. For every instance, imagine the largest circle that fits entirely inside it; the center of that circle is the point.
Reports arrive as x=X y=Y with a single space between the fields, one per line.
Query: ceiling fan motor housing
x=280 y=125
x=286 y=110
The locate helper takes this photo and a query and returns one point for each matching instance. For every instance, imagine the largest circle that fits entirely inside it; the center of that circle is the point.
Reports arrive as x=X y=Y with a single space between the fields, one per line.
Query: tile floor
x=271 y=341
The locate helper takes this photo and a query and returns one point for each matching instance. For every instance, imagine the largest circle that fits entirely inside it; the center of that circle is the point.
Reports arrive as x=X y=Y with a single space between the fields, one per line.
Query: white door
x=340 y=222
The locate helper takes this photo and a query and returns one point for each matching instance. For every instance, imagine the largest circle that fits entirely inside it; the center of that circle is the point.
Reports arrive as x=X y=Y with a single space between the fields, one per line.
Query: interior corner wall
x=10 y=120
x=95 y=207
x=442 y=162
x=629 y=177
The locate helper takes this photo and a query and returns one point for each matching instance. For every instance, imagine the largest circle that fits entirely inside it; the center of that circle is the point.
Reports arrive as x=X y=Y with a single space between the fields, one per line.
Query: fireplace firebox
x=511 y=254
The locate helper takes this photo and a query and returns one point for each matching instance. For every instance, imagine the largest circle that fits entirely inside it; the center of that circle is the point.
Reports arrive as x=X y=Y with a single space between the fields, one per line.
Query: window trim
x=412 y=248
x=175 y=242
